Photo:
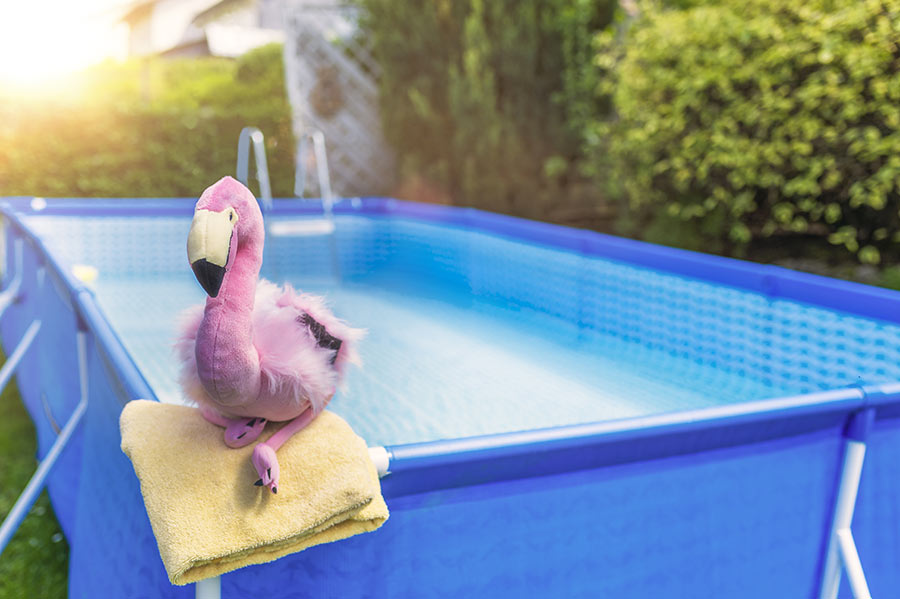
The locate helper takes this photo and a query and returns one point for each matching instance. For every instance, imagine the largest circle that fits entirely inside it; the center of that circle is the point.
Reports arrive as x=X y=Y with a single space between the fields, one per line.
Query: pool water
x=448 y=359
x=434 y=368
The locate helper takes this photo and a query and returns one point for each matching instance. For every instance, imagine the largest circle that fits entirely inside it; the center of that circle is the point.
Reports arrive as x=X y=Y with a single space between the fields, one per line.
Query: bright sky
x=41 y=40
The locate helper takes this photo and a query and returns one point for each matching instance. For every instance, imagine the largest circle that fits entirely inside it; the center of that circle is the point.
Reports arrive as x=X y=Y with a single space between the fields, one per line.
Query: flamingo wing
x=303 y=348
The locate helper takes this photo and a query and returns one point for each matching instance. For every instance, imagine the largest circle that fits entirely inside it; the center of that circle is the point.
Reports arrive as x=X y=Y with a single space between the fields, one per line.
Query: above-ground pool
x=567 y=414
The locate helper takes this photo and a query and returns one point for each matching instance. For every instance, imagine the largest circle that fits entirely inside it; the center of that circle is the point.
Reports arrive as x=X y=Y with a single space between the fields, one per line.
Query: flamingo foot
x=264 y=459
x=243 y=431
x=266 y=464
x=238 y=431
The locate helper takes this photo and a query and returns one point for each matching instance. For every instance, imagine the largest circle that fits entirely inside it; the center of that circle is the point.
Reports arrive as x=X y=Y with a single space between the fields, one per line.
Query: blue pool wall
x=758 y=322
x=733 y=501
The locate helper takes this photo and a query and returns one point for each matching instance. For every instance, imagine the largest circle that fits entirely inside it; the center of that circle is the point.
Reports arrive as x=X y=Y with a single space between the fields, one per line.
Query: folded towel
x=207 y=515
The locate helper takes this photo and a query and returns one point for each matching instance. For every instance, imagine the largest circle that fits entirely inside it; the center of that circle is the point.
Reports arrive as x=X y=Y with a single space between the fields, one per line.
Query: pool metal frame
x=552 y=450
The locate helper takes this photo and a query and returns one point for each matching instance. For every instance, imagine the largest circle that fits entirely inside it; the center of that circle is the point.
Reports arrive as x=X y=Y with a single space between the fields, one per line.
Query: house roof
x=218 y=9
x=137 y=11
x=192 y=23
x=233 y=40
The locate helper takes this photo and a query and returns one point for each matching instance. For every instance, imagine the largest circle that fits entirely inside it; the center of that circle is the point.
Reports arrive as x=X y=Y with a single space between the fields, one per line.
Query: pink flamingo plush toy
x=255 y=352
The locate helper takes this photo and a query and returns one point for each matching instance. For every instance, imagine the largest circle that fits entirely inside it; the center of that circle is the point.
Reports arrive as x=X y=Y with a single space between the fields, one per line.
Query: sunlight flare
x=42 y=41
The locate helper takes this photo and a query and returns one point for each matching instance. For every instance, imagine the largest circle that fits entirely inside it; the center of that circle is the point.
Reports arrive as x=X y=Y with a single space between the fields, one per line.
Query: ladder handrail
x=324 y=176
x=253 y=137
x=322 y=172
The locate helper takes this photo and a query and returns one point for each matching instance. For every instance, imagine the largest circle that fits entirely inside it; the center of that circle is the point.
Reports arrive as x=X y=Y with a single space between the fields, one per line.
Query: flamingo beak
x=209 y=246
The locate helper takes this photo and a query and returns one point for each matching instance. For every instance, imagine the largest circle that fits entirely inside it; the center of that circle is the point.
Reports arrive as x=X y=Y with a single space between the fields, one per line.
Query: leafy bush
x=743 y=121
x=152 y=127
x=488 y=98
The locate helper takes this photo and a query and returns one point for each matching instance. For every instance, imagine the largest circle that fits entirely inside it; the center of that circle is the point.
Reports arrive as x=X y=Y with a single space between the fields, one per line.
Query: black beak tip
x=209 y=276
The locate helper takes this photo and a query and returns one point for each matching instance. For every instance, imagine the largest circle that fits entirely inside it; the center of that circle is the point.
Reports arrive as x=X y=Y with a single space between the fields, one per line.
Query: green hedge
x=148 y=128
x=487 y=98
x=753 y=120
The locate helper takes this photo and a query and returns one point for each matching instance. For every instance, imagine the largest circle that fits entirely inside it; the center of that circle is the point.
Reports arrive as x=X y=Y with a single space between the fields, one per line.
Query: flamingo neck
x=227 y=361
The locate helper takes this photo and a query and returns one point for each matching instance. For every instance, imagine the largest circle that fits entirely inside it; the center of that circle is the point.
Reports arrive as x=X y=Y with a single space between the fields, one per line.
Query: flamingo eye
x=230 y=216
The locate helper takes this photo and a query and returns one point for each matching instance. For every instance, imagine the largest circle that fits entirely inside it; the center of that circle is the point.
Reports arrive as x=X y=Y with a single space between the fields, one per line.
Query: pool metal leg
x=209 y=588
x=11 y=293
x=36 y=484
x=842 y=552
x=12 y=362
x=853 y=565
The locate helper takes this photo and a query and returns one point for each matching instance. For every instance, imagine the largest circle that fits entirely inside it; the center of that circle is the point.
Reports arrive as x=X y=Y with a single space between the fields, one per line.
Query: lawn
x=36 y=561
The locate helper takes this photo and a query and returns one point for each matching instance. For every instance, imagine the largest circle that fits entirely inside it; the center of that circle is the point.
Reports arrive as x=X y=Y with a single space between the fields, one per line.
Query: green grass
x=36 y=561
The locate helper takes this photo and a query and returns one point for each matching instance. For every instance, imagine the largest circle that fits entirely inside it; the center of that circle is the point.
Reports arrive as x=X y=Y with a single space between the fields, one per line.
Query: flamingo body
x=295 y=372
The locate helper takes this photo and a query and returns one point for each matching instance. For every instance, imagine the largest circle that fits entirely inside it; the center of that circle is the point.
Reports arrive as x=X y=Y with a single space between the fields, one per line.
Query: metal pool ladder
x=252 y=135
x=322 y=172
x=326 y=226
x=252 y=138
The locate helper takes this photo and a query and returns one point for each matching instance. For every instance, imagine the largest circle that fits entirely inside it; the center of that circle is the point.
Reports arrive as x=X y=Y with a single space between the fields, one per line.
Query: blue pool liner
x=733 y=501
x=769 y=280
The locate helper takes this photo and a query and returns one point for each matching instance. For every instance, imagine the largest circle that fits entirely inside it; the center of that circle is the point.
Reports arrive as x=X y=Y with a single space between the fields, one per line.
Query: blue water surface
x=472 y=334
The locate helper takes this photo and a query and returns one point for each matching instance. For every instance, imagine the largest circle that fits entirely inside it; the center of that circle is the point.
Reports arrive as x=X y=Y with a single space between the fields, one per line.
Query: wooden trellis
x=332 y=81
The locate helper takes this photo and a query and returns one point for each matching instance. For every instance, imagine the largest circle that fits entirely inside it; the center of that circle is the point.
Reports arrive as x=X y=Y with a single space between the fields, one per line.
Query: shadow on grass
x=36 y=561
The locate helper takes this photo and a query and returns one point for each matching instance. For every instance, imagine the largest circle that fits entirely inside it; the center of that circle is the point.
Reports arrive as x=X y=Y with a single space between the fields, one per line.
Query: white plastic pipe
x=851 y=472
x=209 y=588
x=12 y=362
x=852 y=564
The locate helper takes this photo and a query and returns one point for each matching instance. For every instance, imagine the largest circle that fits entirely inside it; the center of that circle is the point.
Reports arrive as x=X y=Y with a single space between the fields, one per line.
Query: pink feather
x=292 y=366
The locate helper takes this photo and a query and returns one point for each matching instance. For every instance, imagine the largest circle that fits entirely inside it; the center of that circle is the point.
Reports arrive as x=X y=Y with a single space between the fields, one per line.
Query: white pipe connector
x=382 y=460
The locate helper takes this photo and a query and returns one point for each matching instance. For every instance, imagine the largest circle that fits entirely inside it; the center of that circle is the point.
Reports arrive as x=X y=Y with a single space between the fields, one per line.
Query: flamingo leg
x=264 y=458
x=238 y=431
x=287 y=431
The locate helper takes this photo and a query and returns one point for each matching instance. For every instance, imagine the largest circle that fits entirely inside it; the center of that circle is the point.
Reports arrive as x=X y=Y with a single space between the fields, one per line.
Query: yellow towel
x=207 y=515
